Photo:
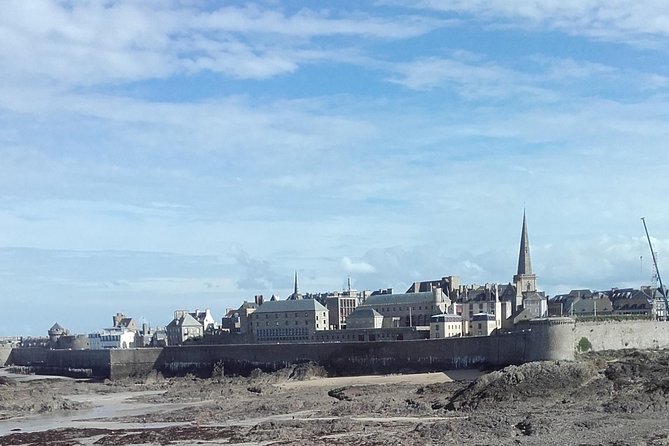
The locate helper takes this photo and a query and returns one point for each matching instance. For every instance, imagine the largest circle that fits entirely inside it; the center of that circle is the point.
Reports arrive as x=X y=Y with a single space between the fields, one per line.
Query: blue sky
x=160 y=155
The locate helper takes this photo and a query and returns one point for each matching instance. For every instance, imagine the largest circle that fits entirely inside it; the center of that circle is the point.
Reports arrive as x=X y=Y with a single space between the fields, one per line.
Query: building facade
x=408 y=309
x=182 y=328
x=445 y=326
x=288 y=321
x=116 y=337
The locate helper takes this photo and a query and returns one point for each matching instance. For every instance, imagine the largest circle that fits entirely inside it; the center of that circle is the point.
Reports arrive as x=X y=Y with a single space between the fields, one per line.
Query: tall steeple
x=524 y=261
x=295 y=290
x=525 y=280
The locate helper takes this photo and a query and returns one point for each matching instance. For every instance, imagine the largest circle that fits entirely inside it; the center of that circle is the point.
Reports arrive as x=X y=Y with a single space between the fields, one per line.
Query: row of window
x=388 y=310
x=267 y=323
x=282 y=332
x=285 y=315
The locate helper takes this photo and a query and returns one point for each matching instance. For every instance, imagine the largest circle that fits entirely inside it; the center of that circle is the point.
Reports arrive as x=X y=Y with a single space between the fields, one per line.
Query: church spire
x=524 y=261
x=296 y=292
x=525 y=280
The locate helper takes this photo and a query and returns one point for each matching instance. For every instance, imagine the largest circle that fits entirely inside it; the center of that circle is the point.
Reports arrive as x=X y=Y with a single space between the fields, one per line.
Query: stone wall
x=615 y=335
x=550 y=339
x=358 y=358
x=75 y=363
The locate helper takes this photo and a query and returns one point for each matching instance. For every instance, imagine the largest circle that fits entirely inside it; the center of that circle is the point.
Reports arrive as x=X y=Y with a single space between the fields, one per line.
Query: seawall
x=616 y=335
x=542 y=340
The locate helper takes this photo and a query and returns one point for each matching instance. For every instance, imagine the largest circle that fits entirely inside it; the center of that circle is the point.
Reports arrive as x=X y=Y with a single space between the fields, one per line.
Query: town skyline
x=156 y=156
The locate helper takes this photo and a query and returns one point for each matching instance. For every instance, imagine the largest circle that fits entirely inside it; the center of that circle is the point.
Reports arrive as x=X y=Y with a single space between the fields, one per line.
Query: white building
x=445 y=326
x=112 y=338
x=482 y=324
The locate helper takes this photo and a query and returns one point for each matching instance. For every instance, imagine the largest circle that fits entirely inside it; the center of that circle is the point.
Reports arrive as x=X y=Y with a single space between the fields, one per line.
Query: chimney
x=117 y=319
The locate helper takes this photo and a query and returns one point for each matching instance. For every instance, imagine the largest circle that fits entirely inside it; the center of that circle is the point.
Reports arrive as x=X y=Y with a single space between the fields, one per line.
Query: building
x=524 y=280
x=55 y=333
x=121 y=321
x=288 y=320
x=642 y=302
x=563 y=304
x=408 y=309
x=635 y=302
x=449 y=284
x=237 y=321
x=482 y=324
x=341 y=305
x=529 y=303
x=486 y=299
x=364 y=318
x=373 y=334
x=205 y=319
x=115 y=337
x=445 y=326
x=182 y=328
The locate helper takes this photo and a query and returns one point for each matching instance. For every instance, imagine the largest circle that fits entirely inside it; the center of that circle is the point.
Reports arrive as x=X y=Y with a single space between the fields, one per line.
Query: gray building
x=183 y=327
x=288 y=321
x=408 y=309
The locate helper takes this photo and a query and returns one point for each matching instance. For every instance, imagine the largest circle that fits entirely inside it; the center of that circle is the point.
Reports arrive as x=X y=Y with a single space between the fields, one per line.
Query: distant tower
x=296 y=292
x=525 y=281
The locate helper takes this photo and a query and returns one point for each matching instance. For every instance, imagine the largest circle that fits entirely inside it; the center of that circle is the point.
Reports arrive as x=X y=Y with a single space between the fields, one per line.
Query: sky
x=163 y=155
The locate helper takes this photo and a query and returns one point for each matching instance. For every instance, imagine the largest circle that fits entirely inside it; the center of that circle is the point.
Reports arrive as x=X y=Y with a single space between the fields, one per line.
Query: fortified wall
x=616 y=335
x=542 y=340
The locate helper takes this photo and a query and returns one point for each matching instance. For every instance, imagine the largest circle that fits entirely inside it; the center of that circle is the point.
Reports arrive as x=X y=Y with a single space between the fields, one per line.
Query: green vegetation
x=584 y=345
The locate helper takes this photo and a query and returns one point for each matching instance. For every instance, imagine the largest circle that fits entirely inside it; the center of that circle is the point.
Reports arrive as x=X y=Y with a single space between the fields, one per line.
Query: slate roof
x=364 y=313
x=290 y=305
x=445 y=317
x=56 y=327
x=125 y=322
x=185 y=321
x=397 y=299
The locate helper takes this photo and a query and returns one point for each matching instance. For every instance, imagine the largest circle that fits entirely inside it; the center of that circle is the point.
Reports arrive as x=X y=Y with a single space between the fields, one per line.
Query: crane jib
x=662 y=290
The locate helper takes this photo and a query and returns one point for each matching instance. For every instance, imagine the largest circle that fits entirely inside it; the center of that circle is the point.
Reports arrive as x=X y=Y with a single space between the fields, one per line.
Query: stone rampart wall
x=540 y=341
x=357 y=358
x=615 y=335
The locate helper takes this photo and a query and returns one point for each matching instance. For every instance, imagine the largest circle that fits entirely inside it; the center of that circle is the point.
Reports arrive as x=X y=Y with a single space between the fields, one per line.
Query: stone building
x=364 y=317
x=120 y=320
x=205 y=319
x=493 y=299
x=183 y=327
x=408 y=309
x=288 y=321
x=635 y=302
x=237 y=321
x=529 y=303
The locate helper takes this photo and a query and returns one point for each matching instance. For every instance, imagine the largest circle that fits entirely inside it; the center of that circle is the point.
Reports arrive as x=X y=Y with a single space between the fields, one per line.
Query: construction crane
x=662 y=290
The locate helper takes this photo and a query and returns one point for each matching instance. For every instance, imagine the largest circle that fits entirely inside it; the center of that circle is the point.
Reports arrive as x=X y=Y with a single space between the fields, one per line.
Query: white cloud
x=356 y=267
x=639 y=22
x=74 y=44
